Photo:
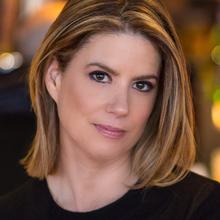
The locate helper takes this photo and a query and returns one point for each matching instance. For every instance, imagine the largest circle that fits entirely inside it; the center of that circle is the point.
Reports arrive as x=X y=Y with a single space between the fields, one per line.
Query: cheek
x=141 y=110
x=80 y=98
x=72 y=102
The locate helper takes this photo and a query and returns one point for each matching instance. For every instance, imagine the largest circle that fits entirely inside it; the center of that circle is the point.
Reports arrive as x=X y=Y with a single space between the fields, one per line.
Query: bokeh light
x=215 y=55
x=10 y=61
x=216 y=114
x=215 y=164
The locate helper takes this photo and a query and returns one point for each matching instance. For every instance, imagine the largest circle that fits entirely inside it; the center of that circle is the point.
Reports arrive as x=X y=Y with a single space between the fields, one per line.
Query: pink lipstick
x=109 y=131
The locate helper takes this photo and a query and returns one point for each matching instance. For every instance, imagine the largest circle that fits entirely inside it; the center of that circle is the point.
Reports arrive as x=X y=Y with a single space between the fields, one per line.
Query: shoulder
x=198 y=196
x=22 y=200
x=15 y=198
x=194 y=184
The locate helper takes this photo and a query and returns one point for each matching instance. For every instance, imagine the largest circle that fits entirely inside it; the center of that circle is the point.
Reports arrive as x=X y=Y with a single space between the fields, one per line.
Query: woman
x=114 y=133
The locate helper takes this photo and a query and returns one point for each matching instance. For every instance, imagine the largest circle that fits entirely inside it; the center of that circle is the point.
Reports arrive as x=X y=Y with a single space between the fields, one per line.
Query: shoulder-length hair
x=166 y=150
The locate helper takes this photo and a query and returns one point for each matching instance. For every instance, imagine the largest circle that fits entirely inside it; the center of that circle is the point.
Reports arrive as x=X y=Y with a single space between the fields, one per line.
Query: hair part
x=166 y=150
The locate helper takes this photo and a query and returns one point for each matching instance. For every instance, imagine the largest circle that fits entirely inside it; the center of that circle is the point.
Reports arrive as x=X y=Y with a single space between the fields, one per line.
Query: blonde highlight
x=166 y=150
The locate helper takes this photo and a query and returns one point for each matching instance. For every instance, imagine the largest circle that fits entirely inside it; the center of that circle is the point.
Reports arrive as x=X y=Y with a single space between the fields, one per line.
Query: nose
x=119 y=103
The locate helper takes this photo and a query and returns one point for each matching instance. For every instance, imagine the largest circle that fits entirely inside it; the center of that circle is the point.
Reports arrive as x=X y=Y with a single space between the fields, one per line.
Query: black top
x=193 y=198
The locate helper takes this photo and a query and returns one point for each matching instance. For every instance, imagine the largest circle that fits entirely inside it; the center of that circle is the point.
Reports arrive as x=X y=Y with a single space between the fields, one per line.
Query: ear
x=52 y=79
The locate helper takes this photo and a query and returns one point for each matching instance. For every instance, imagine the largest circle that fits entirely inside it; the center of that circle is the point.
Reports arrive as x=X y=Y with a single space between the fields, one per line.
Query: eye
x=100 y=76
x=143 y=86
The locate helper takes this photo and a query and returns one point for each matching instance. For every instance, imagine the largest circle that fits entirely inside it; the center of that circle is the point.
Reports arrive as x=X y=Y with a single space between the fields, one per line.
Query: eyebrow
x=109 y=69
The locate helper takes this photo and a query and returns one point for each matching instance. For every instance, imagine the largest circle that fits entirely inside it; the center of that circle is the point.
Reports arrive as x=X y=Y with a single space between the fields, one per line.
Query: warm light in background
x=216 y=109
x=10 y=61
x=215 y=54
x=31 y=6
x=215 y=164
x=216 y=114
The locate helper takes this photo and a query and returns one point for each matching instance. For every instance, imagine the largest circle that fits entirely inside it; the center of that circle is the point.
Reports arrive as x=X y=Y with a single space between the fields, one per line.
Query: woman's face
x=106 y=94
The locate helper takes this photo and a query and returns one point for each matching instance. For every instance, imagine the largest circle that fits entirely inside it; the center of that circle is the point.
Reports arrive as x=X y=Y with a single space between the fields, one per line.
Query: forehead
x=121 y=51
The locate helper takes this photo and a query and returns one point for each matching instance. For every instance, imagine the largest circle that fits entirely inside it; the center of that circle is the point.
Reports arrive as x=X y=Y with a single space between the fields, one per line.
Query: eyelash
x=93 y=75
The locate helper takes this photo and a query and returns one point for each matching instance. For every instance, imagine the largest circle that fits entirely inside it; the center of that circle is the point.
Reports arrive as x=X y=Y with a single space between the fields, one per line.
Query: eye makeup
x=103 y=77
x=100 y=76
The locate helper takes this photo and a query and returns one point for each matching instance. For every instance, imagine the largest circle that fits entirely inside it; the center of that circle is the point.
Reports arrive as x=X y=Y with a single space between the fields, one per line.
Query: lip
x=109 y=131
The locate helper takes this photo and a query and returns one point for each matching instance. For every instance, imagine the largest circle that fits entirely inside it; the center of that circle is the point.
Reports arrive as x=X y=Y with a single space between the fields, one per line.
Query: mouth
x=109 y=131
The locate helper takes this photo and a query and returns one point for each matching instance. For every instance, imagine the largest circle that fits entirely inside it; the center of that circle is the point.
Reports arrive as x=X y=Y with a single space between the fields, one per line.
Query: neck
x=83 y=185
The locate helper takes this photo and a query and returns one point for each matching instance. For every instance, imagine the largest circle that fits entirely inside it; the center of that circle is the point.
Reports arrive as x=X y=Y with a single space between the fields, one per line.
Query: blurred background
x=23 y=24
